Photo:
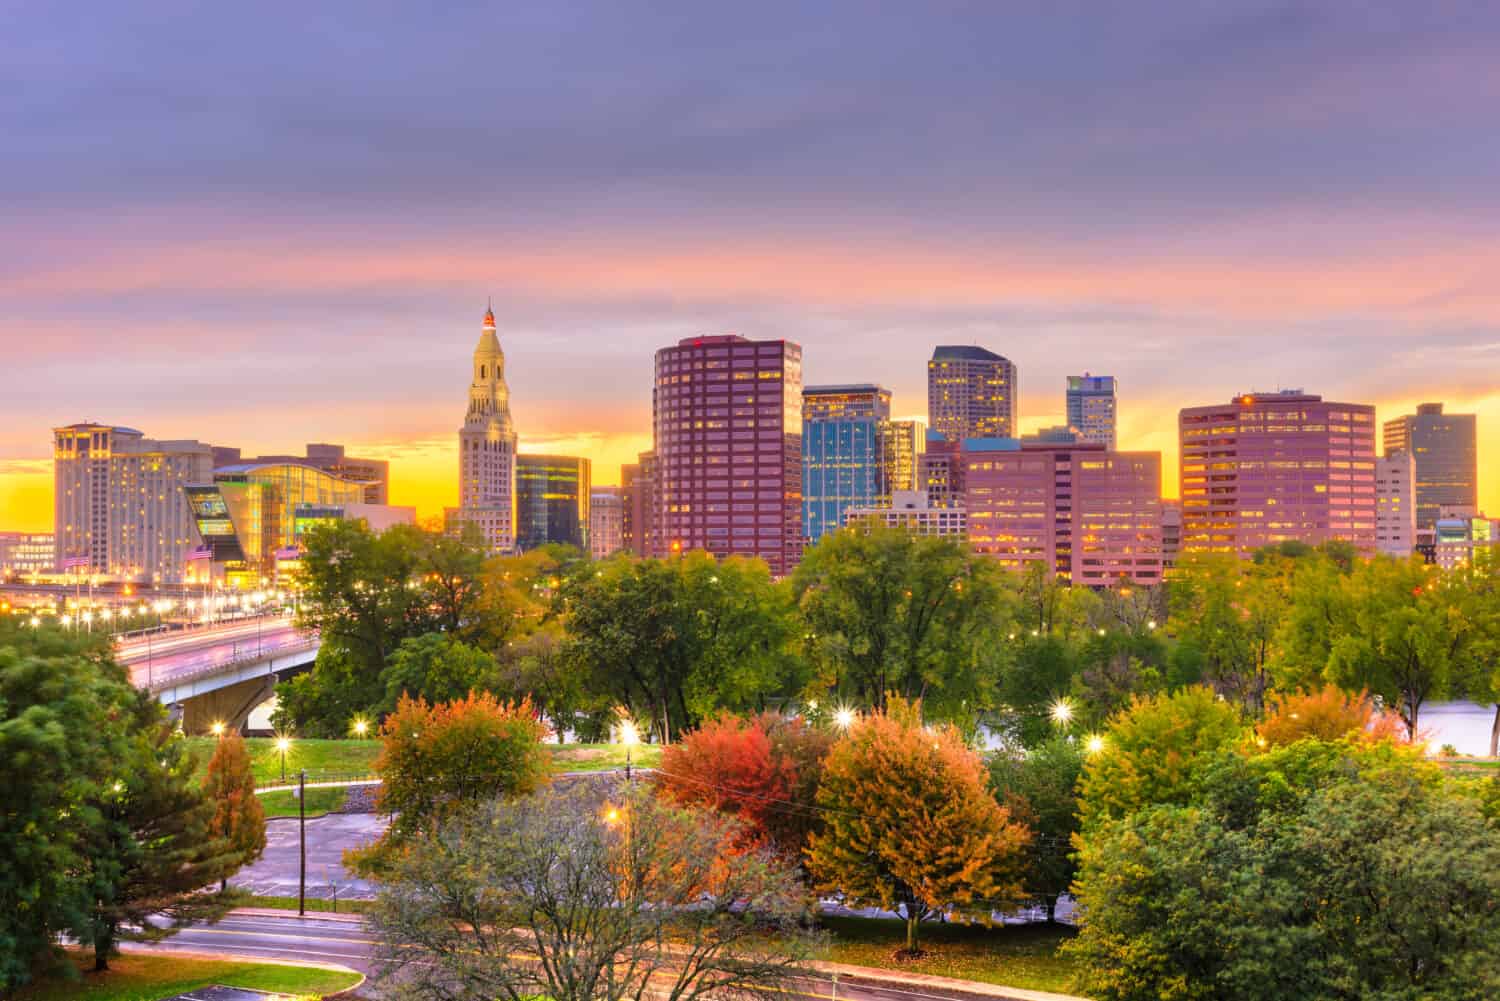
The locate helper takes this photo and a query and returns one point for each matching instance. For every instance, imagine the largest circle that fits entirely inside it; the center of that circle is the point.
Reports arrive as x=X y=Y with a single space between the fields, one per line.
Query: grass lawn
x=602 y=757
x=322 y=758
x=319 y=904
x=138 y=976
x=319 y=801
x=1023 y=956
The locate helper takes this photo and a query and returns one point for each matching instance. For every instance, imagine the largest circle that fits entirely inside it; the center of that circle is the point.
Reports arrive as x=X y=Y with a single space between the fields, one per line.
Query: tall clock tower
x=487 y=448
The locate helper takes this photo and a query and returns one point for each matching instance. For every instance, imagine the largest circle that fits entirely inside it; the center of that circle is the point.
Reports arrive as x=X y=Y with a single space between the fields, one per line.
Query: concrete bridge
x=218 y=674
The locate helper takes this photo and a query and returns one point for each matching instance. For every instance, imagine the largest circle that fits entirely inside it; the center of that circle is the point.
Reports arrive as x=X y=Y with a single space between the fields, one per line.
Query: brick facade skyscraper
x=727 y=424
x=1270 y=467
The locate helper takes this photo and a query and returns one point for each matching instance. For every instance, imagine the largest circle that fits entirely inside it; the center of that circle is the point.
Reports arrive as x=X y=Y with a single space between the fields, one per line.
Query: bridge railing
x=259 y=652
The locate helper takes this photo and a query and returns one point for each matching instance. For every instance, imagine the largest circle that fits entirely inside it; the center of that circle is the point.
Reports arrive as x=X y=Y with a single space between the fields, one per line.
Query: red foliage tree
x=1327 y=714
x=762 y=770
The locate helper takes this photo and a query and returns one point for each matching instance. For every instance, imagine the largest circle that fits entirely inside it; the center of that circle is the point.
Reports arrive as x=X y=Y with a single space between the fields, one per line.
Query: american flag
x=200 y=553
x=74 y=562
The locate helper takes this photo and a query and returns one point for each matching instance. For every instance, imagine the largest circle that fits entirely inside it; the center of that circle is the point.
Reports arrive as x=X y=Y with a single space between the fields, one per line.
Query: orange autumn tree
x=439 y=761
x=762 y=770
x=909 y=820
x=238 y=816
x=1327 y=714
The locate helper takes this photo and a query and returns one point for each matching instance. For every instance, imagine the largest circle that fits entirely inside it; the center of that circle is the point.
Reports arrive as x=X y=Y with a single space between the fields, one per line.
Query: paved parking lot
x=275 y=875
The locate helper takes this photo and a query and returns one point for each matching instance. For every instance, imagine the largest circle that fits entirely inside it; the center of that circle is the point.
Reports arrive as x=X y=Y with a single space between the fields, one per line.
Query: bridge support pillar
x=231 y=705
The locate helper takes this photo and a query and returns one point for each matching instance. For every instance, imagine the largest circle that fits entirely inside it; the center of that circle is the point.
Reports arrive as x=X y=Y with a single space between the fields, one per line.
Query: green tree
x=675 y=640
x=64 y=705
x=1230 y=613
x=1040 y=673
x=1407 y=638
x=921 y=616
x=910 y=822
x=1343 y=870
x=153 y=861
x=1152 y=752
x=238 y=817
x=538 y=667
x=436 y=667
x=565 y=897
x=1040 y=788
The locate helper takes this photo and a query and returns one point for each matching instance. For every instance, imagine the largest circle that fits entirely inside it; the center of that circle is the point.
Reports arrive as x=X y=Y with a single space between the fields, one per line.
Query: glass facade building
x=1443 y=449
x=553 y=497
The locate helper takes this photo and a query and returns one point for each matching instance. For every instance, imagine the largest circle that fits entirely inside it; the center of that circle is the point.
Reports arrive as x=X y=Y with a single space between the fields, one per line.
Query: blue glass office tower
x=844 y=446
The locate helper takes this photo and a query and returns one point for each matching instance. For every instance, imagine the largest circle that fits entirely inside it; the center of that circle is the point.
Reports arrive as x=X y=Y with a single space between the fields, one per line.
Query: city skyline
x=1201 y=205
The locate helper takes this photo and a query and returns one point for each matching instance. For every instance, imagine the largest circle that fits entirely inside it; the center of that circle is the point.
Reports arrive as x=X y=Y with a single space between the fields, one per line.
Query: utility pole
x=302 y=843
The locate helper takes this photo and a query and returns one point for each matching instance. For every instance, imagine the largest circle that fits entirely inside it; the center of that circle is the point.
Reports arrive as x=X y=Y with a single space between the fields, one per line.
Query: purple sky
x=267 y=224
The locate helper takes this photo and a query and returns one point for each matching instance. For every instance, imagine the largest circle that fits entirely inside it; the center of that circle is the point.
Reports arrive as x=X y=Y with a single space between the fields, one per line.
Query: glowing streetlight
x=1150 y=623
x=843 y=717
x=35 y=622
x=629 y=736
x=282 y=745
x=1062 y=712
x=217 y=729
x=1094 y=744
x=612 y=816
x=361 y=727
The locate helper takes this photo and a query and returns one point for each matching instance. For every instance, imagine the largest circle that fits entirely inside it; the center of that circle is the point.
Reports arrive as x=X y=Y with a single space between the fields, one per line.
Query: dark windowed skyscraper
x=1444 y=451
x=971 y=393
x=553 y=494
x=727 y=425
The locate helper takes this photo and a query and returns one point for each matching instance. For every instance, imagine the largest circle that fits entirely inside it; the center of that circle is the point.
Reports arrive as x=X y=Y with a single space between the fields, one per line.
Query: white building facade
x=119 y=502
x=1395 y=504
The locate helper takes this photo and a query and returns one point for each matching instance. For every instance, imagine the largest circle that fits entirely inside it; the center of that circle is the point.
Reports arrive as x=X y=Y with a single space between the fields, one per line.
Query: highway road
x=165 y=656
x=346 y=941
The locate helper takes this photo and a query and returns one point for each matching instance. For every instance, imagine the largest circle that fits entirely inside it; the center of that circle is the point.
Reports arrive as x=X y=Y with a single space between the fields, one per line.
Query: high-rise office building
x=905 y=441
x=553 y=494
x=940 y=471
x=1395 y=504
x=119 y=501
x=1446 y=457
x=638 y=504
x=1092 y=408
x=606 y=522
x=487 y=449
x=971 y=393
x=1265 y=468
x=1088 y=514
x=727 y=425
x=844 y=436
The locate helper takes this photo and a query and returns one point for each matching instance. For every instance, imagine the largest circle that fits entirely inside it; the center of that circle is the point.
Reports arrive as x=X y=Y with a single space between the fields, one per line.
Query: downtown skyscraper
x=487 y=449
x=1445 y=458
x=1093 y=408
x=971 y=393
x=727 y=430
x=1266 y=468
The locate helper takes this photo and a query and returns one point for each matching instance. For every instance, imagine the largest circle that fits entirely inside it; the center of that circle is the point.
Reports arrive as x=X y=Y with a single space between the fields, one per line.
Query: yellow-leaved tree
x=910 y=822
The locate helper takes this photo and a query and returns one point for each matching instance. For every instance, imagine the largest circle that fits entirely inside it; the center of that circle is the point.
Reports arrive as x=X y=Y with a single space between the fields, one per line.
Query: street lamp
x=217 y=729
x=1094 y=744
x=1062 y=712
x=843 y=717
x=282 y=744
x=629 y=736
x=361 y=727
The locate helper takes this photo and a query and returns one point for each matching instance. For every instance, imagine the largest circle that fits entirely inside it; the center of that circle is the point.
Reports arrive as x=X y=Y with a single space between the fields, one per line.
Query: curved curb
x=247 y=960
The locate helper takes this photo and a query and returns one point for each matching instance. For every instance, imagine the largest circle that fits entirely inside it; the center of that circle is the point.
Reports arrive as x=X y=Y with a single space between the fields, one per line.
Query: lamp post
x=281 y=745
x=628 y=736
x=301 y=837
